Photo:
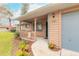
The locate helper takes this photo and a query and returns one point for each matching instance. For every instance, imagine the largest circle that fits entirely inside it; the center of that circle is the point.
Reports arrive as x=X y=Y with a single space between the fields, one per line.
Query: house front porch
x=33 y=28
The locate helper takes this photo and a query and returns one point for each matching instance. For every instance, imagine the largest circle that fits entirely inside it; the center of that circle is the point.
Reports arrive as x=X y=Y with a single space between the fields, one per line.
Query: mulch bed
x=15 y=44
x=30 y=44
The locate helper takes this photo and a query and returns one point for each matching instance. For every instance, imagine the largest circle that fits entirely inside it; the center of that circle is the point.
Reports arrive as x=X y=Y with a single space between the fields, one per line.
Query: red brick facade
x=43 y=32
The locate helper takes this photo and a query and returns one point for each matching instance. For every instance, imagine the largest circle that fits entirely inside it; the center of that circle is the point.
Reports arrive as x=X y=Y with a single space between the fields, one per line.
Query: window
x=39 y=26
x=25 y=27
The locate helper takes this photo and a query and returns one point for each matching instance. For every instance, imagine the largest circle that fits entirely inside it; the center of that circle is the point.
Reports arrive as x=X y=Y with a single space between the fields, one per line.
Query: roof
x=45 y=10
x=2 y=26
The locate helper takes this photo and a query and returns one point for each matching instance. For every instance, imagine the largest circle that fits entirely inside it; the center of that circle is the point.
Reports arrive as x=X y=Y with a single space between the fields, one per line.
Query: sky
x=15 y=8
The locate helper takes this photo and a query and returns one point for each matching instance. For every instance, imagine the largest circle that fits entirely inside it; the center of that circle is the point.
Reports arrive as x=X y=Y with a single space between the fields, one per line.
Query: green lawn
x=6 y=43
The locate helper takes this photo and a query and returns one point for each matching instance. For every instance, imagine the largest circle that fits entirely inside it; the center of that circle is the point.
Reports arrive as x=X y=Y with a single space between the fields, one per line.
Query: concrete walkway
x=40 y=48
x=66 y=52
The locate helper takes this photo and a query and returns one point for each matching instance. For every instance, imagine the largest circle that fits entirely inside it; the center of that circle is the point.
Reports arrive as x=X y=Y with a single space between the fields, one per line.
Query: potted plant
x=53 y=47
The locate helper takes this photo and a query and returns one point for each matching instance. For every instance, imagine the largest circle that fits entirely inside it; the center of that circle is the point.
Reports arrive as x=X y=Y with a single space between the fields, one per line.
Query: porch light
x=54 y=20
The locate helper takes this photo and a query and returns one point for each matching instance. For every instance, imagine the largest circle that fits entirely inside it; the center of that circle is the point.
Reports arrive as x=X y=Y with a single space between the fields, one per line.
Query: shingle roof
x=45 y=10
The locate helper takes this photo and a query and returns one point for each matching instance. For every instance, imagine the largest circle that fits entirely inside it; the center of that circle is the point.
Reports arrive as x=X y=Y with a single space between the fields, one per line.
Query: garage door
x=70 y=31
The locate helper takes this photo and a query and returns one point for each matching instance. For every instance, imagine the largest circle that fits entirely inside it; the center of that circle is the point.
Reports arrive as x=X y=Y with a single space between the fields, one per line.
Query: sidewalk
x=40 y=48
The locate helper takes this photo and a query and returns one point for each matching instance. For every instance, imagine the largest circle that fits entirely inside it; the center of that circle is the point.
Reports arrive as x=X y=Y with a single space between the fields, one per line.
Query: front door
x=46 y=29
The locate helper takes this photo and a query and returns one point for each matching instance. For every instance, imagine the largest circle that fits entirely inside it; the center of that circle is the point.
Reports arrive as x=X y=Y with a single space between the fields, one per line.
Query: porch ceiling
x=45 y=10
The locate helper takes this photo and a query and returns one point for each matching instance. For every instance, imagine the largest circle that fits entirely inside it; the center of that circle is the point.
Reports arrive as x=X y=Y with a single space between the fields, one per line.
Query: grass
x=6 y=43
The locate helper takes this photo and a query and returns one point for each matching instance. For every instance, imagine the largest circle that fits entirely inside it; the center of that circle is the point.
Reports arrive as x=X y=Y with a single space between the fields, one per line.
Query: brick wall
x=38 y=33
x=43 y=32
x=54 y=28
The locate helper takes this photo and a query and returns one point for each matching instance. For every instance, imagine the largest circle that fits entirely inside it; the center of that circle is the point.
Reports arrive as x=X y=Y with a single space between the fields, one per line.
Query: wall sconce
x=54 y=20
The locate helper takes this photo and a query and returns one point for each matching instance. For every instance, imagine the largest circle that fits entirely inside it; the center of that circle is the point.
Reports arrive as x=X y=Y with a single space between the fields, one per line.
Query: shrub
x=19 y=52
x=13 y=30
x=27 y=54
x=17 y=34
x=51 y=46
x=22 y=44
x=23 y=49
x=22 y=53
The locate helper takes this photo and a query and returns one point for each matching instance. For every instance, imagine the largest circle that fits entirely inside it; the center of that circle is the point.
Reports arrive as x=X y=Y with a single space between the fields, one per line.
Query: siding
x=54 y=28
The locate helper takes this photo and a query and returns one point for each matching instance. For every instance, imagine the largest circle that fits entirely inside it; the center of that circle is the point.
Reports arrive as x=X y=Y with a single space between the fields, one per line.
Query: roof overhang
x=50 y=8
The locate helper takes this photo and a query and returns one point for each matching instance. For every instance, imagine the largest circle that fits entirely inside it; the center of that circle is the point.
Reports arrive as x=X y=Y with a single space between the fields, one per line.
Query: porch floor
x=40 y=48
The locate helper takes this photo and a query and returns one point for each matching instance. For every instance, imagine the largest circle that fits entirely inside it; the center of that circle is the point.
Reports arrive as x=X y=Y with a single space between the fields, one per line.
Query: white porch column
x=35 y=21
x=20 y=26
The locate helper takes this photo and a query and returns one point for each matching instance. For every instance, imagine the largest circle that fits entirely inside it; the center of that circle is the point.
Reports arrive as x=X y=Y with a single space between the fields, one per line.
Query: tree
x=25 y=7
x=7 y=13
